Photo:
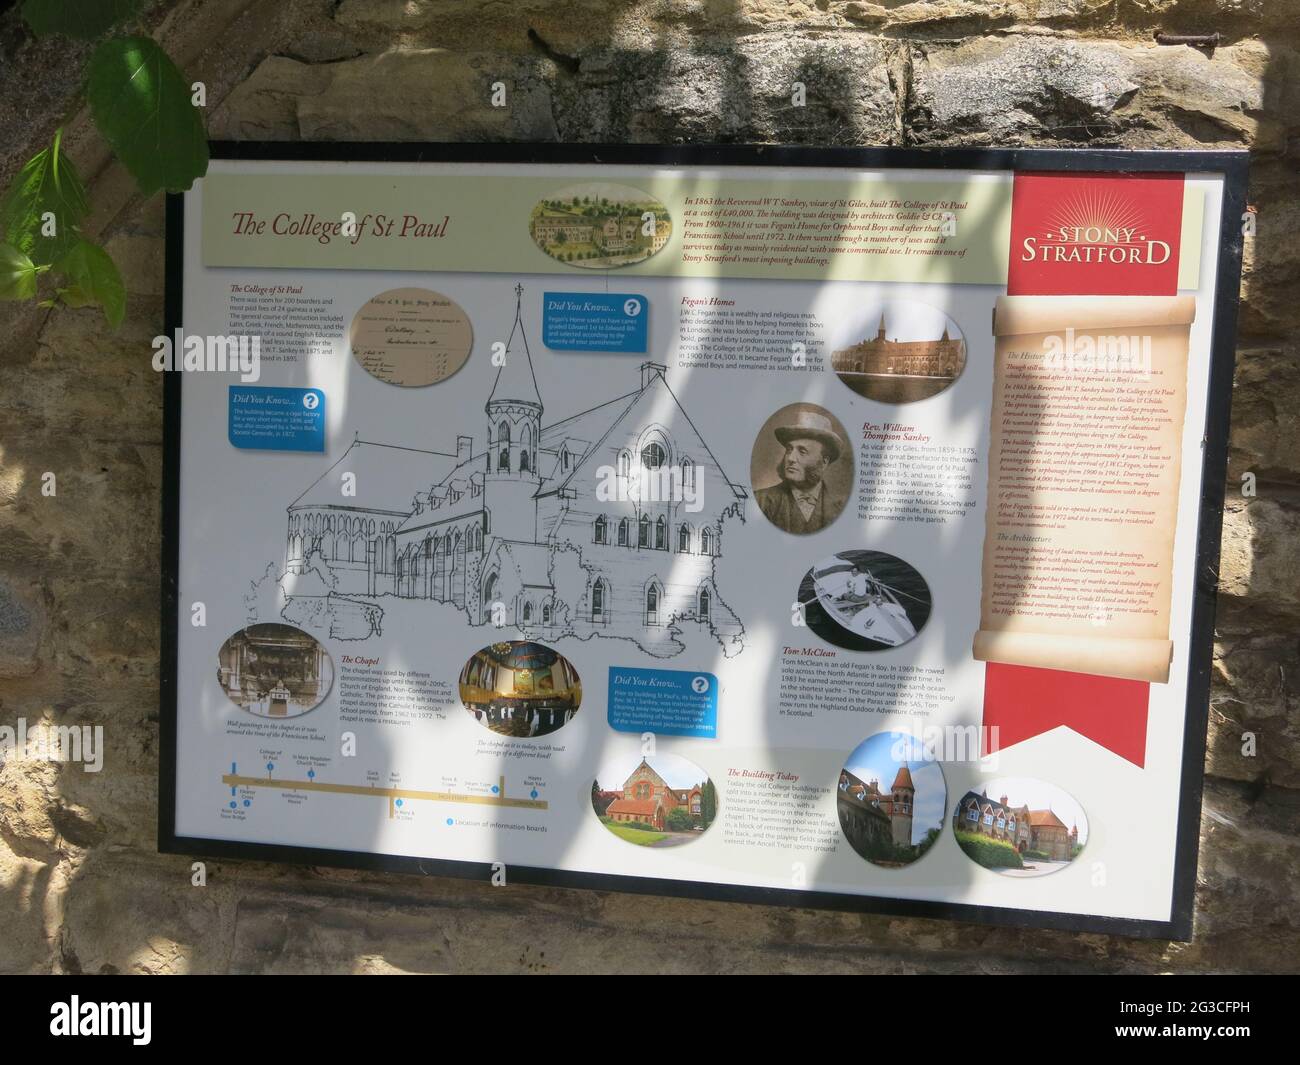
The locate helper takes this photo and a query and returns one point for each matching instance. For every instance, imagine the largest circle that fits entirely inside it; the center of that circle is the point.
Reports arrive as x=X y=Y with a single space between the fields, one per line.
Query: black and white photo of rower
x=864 y=600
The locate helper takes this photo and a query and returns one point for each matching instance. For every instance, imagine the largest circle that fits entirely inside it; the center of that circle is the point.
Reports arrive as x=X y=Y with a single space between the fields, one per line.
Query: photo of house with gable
x=663 y=800
x=1030 y=829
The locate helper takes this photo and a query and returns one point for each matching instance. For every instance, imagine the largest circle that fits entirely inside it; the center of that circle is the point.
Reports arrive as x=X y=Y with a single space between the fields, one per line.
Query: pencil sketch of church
x=549 y=529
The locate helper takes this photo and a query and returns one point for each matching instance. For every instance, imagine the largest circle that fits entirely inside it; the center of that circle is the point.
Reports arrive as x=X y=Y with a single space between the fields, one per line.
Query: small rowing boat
x=861 y=603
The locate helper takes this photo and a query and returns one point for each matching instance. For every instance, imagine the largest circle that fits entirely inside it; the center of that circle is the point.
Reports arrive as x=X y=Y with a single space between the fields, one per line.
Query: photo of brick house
x=662 y=800
x=1031 y=828
x=916 y=352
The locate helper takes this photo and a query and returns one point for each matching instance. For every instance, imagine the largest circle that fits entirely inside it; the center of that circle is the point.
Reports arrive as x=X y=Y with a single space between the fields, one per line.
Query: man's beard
x=810 y=480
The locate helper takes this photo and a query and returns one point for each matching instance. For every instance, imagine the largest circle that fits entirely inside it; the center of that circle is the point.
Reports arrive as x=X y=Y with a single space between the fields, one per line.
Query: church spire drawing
x=514 y=428
x=516 y=381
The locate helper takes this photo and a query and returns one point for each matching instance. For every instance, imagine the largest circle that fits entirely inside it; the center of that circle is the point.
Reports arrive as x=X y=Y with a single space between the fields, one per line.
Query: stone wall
x=81 y=887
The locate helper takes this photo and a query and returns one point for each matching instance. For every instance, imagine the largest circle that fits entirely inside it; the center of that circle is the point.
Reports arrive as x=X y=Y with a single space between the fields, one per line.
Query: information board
x=827 y=528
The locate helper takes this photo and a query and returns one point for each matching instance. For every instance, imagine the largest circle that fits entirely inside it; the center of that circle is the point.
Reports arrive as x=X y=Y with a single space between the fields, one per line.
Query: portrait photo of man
x=801 y=468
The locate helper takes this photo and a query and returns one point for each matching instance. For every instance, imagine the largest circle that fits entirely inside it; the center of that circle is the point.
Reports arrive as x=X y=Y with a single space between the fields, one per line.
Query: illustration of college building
x=539 y=527
x=272 y=663
x=646 y=797
x=1025 y=829
x=611 y=233
x=871 y=819
x=908 y=358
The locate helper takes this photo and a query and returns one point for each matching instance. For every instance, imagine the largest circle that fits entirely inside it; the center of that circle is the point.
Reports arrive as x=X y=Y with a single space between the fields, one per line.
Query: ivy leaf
x=17 y=274
x=93 y=279
x=141 y=104
x=48 y=183
x=83 y=19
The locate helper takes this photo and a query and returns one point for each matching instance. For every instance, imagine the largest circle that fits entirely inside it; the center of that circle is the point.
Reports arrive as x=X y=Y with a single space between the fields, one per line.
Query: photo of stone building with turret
x=891 y=826
x=870 y=817
x=545 y=527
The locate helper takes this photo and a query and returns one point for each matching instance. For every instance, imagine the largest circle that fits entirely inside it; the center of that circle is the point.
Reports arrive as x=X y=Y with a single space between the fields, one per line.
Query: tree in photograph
x=708 y=803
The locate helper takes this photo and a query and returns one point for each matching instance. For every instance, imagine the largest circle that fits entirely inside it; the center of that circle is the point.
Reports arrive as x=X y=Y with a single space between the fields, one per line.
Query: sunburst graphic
x=1097 y=209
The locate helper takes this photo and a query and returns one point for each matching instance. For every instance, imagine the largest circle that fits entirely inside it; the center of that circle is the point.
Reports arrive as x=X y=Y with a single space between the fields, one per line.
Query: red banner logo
x=1095 y=235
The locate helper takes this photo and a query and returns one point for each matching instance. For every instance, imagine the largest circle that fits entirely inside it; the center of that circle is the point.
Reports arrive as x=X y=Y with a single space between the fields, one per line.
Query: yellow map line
x=391 y=793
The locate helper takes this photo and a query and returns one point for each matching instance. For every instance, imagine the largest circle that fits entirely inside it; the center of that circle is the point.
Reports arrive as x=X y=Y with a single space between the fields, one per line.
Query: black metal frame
x=1232 y=166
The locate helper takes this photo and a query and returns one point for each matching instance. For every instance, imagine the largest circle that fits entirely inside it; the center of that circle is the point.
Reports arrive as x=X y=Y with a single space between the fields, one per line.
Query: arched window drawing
x=705 y=602
x=598 y=601
x=602 y=530
x=706 y=542
x=622 y=532
x=490 y=589
x=546 y=613
x=528 y=611
x=643 y=531
x=661 y=534
x=624 y=463
x=688 y=475
x=683 y=538
x=526 y=451
x=503 y=447
x=652 y=605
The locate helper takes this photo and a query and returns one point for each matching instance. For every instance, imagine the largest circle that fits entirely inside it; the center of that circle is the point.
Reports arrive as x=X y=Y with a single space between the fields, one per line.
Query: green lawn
x=636 y=835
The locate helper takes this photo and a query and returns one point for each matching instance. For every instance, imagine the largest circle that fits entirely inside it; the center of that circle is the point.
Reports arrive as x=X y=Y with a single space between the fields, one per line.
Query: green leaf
x=17 y=274
x=93 y=279
x=83 y=19
x=48 y=183
x=141 y=104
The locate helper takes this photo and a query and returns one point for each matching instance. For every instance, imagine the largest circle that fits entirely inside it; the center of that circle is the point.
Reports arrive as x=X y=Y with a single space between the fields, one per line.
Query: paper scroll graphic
x=1089 y=395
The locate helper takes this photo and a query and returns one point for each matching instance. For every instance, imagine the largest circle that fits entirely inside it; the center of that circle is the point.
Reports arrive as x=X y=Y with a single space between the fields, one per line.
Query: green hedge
x=643 y=826
x=990 y=853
